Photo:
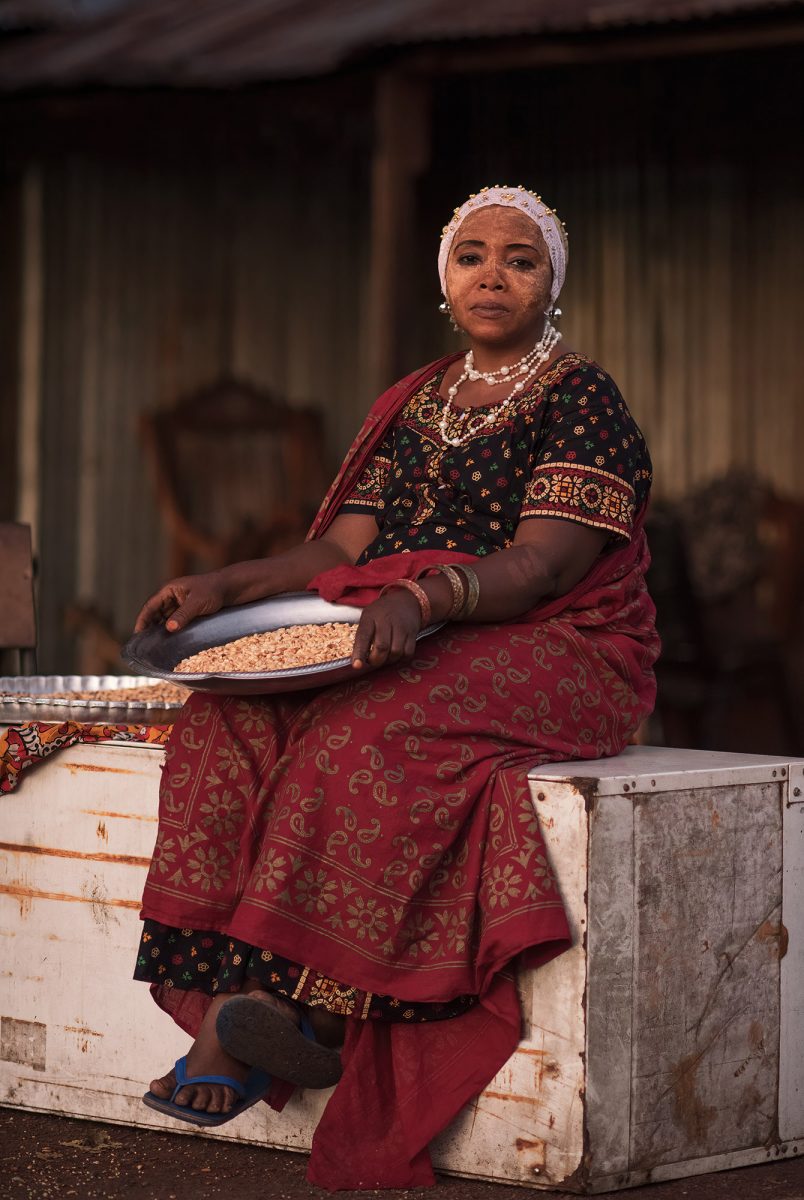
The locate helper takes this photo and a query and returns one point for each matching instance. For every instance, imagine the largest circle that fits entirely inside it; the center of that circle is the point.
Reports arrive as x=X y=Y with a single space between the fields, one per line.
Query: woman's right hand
x=182 y=600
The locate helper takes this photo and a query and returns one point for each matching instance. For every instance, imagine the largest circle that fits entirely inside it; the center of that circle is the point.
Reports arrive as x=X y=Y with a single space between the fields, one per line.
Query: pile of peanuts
x=167 y=694
x=277 y=650
x=154 y=693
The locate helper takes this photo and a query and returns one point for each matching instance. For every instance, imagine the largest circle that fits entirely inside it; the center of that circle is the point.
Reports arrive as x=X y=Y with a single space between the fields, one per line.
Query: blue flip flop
x=255 y=1087
x=257 y=1033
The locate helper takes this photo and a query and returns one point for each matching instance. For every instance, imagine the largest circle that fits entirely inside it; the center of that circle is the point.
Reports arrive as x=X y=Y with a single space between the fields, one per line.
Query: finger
x=162 y=603
x=184 y=614
x=399 y=641
x=151 y=611
x=380 y=643
x=410 y=645
x=363 y=640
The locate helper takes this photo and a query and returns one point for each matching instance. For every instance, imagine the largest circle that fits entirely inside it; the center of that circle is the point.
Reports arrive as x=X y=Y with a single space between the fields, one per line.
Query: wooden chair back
x=238 y=474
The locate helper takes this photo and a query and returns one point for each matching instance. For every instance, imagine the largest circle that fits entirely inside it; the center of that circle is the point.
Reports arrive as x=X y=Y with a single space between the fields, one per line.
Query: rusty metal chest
x=668 y=1041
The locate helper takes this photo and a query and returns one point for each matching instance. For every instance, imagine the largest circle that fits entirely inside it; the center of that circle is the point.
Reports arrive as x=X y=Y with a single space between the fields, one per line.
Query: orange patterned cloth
x=31 y=742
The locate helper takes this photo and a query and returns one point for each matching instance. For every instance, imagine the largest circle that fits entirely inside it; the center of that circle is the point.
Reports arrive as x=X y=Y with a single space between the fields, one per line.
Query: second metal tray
x=31 y=698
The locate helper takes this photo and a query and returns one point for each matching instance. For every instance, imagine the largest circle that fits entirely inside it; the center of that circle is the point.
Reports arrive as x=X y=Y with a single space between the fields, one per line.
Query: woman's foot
x=267 y=1032
x=205 y=1057
x=329 y=1028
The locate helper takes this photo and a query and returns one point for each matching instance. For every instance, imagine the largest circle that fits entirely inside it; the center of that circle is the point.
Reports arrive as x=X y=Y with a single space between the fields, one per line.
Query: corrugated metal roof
x=65 y=43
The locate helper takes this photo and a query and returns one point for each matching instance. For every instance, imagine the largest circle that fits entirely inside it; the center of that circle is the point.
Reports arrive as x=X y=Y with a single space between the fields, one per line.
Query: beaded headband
x=532 y=205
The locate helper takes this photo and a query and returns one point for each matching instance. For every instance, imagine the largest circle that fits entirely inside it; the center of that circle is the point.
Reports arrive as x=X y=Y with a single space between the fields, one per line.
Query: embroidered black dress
x=567 y=448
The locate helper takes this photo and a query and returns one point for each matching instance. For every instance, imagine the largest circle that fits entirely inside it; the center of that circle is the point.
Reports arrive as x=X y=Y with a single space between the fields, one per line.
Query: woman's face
x=499 y=277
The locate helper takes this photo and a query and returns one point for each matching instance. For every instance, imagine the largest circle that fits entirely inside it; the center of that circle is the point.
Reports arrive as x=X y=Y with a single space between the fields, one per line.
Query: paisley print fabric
x=381 y=831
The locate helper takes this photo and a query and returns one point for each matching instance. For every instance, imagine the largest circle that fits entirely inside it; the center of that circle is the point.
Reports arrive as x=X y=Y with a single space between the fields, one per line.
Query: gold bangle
x=456 y=583
x=472 y=591
x=420 y=594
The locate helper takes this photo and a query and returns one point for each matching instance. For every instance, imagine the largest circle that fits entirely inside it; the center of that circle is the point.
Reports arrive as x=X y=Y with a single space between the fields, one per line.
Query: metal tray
x=157 y=651
x=36 y=703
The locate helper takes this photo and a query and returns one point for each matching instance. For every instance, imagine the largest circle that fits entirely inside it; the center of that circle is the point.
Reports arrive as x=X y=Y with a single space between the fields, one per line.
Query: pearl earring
x=447 y=311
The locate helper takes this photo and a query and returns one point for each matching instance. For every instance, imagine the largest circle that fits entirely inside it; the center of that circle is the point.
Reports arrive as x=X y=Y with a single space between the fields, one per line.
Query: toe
x=164 y=1086
x=221 y=1100
x=185 y=1096
x=201 y=1098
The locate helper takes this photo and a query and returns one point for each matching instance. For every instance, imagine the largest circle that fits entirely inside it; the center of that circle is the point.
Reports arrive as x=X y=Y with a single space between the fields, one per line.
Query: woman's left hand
x=387 y=629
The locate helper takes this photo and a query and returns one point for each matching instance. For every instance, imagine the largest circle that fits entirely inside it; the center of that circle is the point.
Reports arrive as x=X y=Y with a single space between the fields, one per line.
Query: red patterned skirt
x=381 y=834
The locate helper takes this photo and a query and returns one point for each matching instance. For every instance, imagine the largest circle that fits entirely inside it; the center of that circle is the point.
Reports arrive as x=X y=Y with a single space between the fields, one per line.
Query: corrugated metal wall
x=157 y=281
x=682 y=185
x=684 y=195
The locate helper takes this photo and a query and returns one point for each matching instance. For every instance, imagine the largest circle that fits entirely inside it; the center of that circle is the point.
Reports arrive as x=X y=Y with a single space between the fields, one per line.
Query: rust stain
x=97 y=812
x=532 y=1052
x=27 y=894
x=130 y=860
x=508 y=1096
x=101 y=832
x=552 y=1121
x=769 y=932
x=690 y=1110
x=533 y=1151
x=73 y=767
x=84 y=1032
x=715 y=818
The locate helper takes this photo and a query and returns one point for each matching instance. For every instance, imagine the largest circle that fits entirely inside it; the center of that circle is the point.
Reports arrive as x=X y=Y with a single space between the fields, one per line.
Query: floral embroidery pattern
x=569 y=449
x=216 y=963
x=581 y=494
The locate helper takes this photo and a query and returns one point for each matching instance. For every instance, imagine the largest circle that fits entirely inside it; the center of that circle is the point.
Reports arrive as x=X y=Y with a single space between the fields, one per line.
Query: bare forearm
x=549 y=560
x=287 y=572
x=510 y=581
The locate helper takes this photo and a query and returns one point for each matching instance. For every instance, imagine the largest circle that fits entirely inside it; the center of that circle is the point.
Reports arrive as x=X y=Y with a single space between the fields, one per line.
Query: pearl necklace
x=528 y=365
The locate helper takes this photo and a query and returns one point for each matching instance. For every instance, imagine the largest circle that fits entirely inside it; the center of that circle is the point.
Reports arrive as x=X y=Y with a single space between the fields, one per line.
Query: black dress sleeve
x=590 y=463
x=367 y=496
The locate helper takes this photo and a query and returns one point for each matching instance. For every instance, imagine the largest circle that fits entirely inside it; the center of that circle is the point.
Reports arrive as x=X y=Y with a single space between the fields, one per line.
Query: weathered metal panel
x=657 y=769
x=706 y=972
x=610 y=969
x=791 y=1067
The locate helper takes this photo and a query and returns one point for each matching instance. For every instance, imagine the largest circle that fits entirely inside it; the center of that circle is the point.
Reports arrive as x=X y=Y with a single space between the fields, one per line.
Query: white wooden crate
x=667 y=1042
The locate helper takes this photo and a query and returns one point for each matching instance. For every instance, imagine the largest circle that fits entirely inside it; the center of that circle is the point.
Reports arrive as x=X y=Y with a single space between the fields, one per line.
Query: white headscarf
x=532 y=206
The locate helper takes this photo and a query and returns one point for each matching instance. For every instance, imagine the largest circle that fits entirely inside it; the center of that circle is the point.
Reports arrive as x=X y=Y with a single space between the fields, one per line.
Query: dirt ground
x=44 y=1157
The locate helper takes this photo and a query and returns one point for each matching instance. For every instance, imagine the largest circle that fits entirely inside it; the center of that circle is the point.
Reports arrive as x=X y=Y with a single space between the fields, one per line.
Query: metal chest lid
x=667 y=769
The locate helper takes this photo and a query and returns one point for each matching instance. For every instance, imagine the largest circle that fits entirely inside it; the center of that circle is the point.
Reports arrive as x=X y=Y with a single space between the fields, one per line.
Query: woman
x=366 y=857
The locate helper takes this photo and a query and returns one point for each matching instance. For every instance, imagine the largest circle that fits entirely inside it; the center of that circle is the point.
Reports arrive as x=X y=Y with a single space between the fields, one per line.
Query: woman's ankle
x=329 y=1028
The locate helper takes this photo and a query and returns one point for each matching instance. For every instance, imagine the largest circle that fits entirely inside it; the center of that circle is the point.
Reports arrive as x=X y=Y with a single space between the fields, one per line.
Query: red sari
x=382 y=833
